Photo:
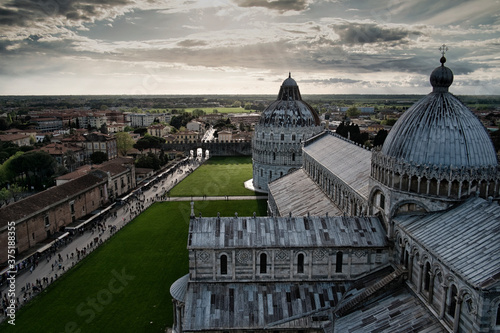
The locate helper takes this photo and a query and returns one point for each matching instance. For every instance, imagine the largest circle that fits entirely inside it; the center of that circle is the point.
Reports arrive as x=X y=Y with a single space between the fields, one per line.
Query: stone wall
x=246 y=264
x=234 y=148
x=457 y=303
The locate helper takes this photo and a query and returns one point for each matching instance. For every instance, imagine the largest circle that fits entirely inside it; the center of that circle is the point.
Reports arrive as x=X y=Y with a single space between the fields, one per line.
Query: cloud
x=192 y=43
x=23 y=17
x=279 y=5
x=332 y=81
x=367 y=33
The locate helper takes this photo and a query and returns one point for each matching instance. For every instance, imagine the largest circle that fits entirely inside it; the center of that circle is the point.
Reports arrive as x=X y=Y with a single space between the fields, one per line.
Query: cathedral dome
x=439 y=130
x=289 y=109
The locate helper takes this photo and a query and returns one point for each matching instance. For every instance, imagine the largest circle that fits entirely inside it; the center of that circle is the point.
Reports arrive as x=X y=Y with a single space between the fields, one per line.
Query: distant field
x=221 y=110
x=218 y=176
x=124 y=286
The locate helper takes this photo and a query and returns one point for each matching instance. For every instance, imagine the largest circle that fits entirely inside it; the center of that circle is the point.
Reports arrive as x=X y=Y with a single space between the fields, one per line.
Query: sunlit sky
x=60 y=47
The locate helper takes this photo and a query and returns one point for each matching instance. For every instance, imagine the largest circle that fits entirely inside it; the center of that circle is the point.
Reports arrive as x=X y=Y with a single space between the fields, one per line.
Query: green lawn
x=221 y=110
x=124 y=285
x=217 y=176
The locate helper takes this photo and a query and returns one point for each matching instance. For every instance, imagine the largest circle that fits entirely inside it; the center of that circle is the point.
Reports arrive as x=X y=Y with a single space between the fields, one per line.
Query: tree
x=103 y=129
x=180 y=120
x=141 y=131
x=16 y=191
x=35 y=167
x=70 y=160
x=149 y=142
x=380 y=138
x=8 y=173
x=198 y=112
x=98 y=157
x=353 y=112
x=389 y=122
x=163 y=157
x=5 y=196
x=150 y=161
x=124 y=143
x=4 y=125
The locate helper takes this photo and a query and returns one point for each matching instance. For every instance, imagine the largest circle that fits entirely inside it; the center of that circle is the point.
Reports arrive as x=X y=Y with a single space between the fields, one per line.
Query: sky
x=171 y=47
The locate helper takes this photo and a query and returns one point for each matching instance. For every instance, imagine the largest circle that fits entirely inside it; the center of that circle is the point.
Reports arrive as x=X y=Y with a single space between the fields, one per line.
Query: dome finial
x=442 y=77
x=443 y=48
x=289 y=75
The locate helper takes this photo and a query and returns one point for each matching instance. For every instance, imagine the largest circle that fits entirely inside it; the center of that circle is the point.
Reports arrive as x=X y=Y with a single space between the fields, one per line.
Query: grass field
x=221 y=110
x=217 y=176
x=124 y=285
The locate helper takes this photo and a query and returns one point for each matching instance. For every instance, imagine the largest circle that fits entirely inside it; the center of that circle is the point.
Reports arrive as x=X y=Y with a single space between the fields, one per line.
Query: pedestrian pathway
x=51 y=267
x=223 y=197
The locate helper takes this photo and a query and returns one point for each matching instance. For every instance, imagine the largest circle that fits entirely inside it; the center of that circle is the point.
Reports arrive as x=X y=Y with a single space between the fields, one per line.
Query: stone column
x=456 y=318
x=420 y=275
x=410 y=266
x=431 y=287
x=444 y=303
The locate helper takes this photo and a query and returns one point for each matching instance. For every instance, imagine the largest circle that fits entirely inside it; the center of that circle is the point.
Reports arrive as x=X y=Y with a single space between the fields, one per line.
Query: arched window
x=498 y=315
x=293 y=137
x=223 y=264
x=274 y=156
x=263 y=263
x=300 y=263
x=282 y=136
x=453 y=301
x=293 y=157
x=427 y=276
x=338 y=263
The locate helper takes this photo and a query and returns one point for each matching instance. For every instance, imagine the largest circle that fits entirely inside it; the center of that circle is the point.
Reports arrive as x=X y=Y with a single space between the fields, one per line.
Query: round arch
x=394 y=210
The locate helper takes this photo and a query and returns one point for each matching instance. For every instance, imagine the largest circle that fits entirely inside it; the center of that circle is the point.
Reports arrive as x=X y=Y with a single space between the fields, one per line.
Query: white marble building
x=283 y=127
x=417 y=225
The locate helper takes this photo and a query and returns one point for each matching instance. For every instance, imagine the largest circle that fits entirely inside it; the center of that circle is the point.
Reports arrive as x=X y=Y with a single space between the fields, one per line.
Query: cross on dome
x=443 y=48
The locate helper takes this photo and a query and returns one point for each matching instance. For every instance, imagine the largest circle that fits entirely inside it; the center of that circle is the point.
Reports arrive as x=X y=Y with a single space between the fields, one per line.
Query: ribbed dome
x=289 y=109
x=440 y=130
x=179 y=287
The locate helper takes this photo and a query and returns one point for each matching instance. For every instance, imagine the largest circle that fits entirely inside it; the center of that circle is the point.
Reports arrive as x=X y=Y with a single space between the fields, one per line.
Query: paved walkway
x=47 y=267
x=224 y=197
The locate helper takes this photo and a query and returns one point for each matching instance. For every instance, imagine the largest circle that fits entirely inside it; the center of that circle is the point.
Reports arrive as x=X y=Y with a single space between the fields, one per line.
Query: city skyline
x=63 y=47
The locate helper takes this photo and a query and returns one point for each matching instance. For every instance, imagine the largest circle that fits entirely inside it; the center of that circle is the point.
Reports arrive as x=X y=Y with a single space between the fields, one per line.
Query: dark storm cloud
x=23 y=13
x=279 y=5
x=358 y=33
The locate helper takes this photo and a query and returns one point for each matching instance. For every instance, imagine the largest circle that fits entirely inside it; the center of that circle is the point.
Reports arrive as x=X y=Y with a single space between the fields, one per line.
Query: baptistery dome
x=441 y=141
x=277 y=143
x=289 y=109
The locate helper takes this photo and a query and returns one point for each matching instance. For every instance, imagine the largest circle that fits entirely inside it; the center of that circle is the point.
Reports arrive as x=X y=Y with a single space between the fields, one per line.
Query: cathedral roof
x=289 y=109
x=440 y=130
x=398 y=311
x=300 y=195
x=241 y=307
x=330 y=148
x=280 y=232
x=466 y=239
